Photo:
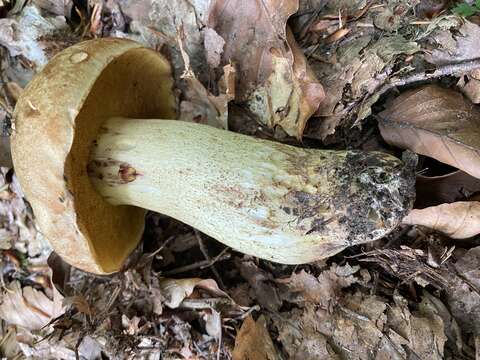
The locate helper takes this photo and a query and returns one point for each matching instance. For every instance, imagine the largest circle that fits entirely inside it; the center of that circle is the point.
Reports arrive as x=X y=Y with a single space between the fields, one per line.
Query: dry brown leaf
x=459 y=220
x=436 y=190
x=275 y=80
x=253 y=341
x=435 y=122
x=28 y=307
x=176 y=290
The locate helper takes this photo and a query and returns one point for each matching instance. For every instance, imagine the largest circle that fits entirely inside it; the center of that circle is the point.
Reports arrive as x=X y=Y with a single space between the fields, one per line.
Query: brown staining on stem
x=127 y=173
x=112 y=172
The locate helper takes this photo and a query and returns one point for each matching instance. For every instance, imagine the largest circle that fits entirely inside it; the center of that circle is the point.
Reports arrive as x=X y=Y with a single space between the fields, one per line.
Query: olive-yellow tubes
x=278 y=202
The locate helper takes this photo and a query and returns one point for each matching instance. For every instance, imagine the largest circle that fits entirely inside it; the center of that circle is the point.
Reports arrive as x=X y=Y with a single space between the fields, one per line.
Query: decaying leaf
x=253 y=342
x=435 y=122
x=275 y=80
x=28 y=307
x=176 y=290
x=459 y=220
x=360 y=67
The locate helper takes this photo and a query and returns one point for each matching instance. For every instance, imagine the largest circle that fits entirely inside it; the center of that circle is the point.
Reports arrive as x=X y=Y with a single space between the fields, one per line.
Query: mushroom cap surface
x=55 y=124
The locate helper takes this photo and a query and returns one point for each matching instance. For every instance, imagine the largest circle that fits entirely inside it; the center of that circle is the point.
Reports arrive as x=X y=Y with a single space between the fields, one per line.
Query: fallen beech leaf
x=176 y=290
x=28 y=307
x=459 y=220
x=275 y=82
x=435 y=122
x=253 y=342
x=436 y=190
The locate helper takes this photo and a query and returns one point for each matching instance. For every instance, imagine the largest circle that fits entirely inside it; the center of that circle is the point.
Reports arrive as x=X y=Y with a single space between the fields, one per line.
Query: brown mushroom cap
x=56 y=121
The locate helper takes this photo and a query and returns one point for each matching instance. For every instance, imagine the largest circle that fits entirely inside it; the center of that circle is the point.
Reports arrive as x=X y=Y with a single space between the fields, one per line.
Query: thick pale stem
x=274 y=201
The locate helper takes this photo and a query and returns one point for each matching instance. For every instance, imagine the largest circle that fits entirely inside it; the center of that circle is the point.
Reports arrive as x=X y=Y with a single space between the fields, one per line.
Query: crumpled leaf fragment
x=28 y=307
x=275 y=81
x=435 y=122
x=469 y=85
x=23 y=34
x=200 y=105
x=253 y=341
x=176 y=290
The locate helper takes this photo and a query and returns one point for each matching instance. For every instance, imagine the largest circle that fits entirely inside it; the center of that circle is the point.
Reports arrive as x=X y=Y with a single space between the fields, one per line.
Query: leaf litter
x=283 y=69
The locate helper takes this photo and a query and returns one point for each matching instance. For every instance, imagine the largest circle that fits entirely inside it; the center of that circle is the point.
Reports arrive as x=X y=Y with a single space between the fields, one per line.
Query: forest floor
x=384 y=75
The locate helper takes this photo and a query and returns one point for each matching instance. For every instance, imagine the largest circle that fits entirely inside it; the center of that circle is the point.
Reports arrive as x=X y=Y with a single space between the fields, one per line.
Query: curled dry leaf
x=275 y=82
x=253 y=342
x=28 y=307
x=176 y=290
x=436 y=122
x=459 y=220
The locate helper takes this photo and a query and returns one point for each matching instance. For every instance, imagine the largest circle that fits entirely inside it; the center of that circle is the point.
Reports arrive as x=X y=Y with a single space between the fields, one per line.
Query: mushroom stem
x=278 y=202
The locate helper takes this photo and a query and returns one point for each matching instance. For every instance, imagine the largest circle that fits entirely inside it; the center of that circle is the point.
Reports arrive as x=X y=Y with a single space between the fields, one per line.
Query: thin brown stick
x=204 y=251
x=198 y=265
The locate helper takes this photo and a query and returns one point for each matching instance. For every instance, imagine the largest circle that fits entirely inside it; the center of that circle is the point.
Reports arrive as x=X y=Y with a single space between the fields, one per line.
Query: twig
x=444 y=70
x=199 y=265
x=204 y=251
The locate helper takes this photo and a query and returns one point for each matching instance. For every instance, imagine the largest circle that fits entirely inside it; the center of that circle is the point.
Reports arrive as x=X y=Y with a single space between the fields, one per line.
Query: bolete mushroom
x=91 y=158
